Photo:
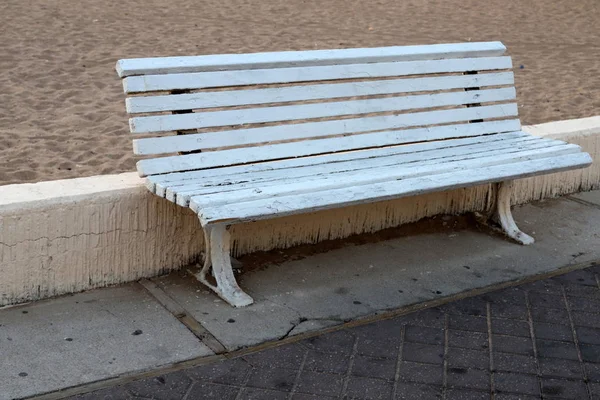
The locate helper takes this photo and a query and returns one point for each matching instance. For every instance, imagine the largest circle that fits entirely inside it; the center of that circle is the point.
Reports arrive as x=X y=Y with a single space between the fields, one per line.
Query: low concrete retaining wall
x=65 y=236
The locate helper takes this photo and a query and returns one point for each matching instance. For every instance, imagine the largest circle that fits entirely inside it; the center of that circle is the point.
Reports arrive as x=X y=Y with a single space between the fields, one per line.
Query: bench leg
x=504 y=215
x=217 y=242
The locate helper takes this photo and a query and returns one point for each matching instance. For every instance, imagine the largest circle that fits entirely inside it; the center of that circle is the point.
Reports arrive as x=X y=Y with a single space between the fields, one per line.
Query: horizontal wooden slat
x=232 y=174
x=189 y=101
x=222 y=62
x=372 y=166
x=162 y=123
x=372 y=176
x=304 y=203
x=297 y=149
x=199 y=80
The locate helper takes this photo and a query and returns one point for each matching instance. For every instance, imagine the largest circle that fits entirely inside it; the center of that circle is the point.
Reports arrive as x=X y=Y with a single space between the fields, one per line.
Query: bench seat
x=246 y=137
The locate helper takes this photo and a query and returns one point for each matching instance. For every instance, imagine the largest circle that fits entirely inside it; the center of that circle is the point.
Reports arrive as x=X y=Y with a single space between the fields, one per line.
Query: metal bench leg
x=505 y=217
x=217 y=243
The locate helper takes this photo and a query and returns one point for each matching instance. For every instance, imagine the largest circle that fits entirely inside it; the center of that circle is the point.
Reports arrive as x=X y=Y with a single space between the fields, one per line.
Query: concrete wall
x=70 y=235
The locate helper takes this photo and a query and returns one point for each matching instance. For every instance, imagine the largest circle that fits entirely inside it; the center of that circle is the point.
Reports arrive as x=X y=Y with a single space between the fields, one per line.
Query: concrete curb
x=66 y=236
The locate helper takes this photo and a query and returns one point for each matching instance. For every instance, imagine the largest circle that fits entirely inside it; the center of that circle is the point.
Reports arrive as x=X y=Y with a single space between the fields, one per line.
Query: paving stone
x=422 y=334
x=320 y=383
x=586 y=319
x=339 y=342
x=509 y=396
x=272 y=378
x=550 y=315
x=557 y=368
x=114 y=393
x=421 y=373
x=262 y=394
x=516 y=383
x=537 y=299
x=545 y=286
x=471 y=306
x=417 y=391
x=374 y=367
x=590 y=352
x=468 y=323
x=326 y=362
x=424 y=353
x=580 y=277
x=591 y=292
x=514 y=295
x=306 y=396
x=210 y=391
x=379 y=339
x=466 y=394
x=564 y=389
x=229 y=372
x=510 y=327
x=588 y=335
x=595 y=389
x=551 y=348
x=512 y=344
x=553 y=331
x=514 y=363
x=469 y=340
x=592 y=371
x=289 y=357
x=584 y=304
x=510 y=311
x=369 y=388
x=467 y=358
x=432 y=318
x=165 y=387
x=468 y=378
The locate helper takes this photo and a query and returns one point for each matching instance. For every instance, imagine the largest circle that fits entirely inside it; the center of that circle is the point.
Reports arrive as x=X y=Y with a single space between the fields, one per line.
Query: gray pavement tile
x=369 y=388
x=114 y=393
x=431 y=317
x=558 y=368
x=543 y=286
x=421 y=373
x=466 y=394
x=422 y=334
x=513 y=295
x=582 y=318
x=510 y=396
x=588 y=335
x=505 y=362
x=553 y=331
x=580 y=277
x=211 y=391
x=327 y=362
x=306 y=396
x=469 y=340
x=595 y=389
x=339 y=342
x=584 y=304
x=262 y=394
x=593 y=371
x=510 y=311
x=382 y=368
x=468 y=378
x=550 y=315
x=516 y=383
x=551 y=348
x=564 y=388
x=470 y=306
x=171 y=386
x=320 y=383
x=423 y=353
x=231 y=372
x=591 y=292
x=417 y=391
x=275 y=378
x=538 y=299
x=289 y=356
x=468 y=323
x=510 y=327
x=590 y=352
x=467 y=358
x=512 y=344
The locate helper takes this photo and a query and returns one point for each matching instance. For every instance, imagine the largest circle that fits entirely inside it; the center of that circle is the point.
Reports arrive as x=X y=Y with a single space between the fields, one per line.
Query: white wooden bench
x=253 y=136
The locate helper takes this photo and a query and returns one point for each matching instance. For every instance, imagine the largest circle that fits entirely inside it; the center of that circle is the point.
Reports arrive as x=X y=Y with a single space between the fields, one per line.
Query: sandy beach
x=62 y=107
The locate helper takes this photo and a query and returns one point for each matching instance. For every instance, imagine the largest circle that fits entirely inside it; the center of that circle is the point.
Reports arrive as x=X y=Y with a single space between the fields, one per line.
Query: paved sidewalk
x=538 y=340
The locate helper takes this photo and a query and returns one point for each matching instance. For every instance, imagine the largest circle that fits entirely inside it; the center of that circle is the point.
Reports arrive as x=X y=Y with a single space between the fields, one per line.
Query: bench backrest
x=221 y=110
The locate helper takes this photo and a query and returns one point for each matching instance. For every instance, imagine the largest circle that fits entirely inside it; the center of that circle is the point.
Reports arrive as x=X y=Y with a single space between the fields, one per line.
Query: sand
x=62 y=107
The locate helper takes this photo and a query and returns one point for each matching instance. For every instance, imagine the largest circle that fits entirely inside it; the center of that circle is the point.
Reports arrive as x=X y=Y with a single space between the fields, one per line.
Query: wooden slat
x=368 y=177
x=163 y=123
x=223 y=62
x=159 y=183
x=371 y=167
x=297 y=149
x=200 y=80
x=305 y=203
x=189 y=101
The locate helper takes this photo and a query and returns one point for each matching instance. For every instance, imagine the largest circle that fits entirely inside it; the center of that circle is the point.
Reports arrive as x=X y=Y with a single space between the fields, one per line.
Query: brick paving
x=536 y=341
